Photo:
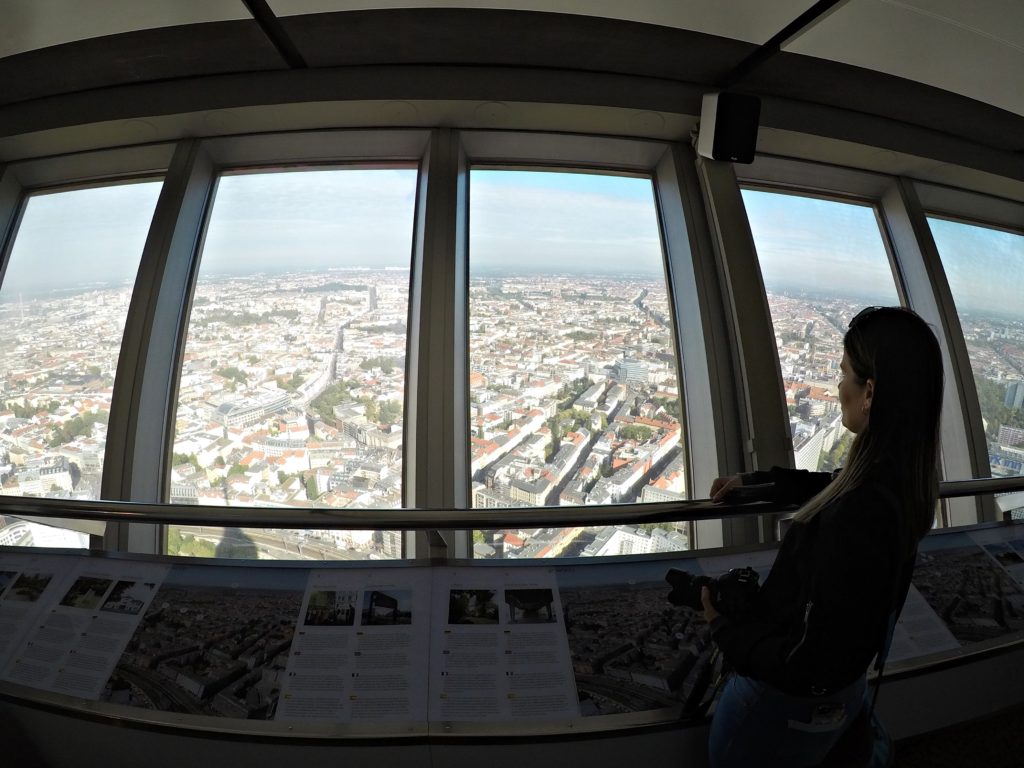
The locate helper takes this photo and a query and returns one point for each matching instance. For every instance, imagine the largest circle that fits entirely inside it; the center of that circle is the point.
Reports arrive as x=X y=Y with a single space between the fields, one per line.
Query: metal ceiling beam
x=766 y=51
x=276 y=34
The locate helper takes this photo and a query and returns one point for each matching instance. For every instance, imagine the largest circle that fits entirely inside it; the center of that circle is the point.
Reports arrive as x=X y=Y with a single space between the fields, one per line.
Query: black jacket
x=825 y=608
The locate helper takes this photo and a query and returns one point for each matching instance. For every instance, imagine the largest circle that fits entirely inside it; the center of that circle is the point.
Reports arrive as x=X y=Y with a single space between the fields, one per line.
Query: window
x=985 y=271
x=573 y=375
x=63 y=304
x=293 y=378
x=822 y=261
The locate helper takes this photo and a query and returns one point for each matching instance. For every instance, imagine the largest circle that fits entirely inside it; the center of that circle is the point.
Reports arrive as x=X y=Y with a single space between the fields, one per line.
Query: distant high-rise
x=1010 y=436
x=631 y=372
x=1014 y=395
x=373 y=298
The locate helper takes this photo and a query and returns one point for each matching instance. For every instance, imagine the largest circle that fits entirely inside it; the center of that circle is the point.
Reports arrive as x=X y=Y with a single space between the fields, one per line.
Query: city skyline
x=345 y=218
x=292 y=384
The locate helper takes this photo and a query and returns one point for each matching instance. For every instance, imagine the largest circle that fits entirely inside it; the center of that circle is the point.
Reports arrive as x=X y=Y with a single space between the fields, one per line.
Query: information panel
x=408 y=649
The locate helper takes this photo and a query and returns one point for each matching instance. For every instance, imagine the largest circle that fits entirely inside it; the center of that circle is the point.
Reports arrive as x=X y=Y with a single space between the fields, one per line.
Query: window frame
x=696 y=201
x=23 y=178
x=142 y=432
x=783 y=179
x=683 y=243
x=991 y=212
x=922 y=286
x=173 y=268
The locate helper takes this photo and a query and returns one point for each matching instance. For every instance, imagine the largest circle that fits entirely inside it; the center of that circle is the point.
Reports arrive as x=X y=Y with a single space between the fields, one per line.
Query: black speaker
x=728 y=127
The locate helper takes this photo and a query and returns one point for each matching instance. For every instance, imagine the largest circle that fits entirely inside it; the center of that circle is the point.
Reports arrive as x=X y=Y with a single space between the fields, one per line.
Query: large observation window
x=822 y=261
x=63 y=303
x=292 y=383
x=985 y=271
x=573 y=375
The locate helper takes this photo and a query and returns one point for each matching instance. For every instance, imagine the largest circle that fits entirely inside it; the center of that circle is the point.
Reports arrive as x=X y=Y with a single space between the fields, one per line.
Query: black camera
x=732 y=593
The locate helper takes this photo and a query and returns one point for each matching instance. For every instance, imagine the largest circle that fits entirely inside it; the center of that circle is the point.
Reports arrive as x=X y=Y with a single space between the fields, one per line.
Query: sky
x=80 y=237
x=566 y=222
x=520 y=222
x=274 y=222
x=311 y=220
x=819 y=246
x=968 y=251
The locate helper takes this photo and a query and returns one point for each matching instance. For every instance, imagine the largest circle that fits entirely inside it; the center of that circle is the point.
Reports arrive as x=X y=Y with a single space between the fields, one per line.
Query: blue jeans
x=758 y=726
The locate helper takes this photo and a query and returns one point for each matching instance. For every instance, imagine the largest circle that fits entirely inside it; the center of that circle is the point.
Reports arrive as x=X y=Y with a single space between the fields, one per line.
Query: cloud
x=81 y=236
x=984 y=267
x=819 y=245
x=273 y=221
x=534 y=224
x=311 y=219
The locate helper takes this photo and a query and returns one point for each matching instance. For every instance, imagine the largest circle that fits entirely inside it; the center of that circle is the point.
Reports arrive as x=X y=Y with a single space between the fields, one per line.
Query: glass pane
x=63 y=305
x=822 y=261
x=293 y=380
x=985 y=270
x=574 y=386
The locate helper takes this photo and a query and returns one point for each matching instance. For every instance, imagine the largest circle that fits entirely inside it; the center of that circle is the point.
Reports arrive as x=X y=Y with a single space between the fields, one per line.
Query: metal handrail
x=956 y=488
x=429 y=519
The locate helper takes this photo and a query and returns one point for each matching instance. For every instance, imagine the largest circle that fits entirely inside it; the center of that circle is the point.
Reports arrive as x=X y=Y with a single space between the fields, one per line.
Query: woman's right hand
x=723 y=485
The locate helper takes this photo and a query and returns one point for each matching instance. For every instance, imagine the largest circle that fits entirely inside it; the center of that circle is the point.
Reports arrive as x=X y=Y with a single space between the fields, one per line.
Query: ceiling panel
x=752 y=21
x=972 y=49
x=32 y=24
x=999 y=19
x=192 y=50
x=486 y=37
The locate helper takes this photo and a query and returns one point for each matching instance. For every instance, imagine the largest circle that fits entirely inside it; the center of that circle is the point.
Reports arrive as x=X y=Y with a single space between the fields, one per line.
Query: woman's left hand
x=710 y=612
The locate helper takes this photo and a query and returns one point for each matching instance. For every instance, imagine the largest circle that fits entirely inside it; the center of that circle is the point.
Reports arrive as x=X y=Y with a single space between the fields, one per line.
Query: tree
x=324 y=403
x=834 y=458
x=386 y=364
x=556 y=437
x=569 y=392
x=291 y=383
x=991 y=398
x=371 y=408
x=389 y=412
x=21 y=411
x=671 y=406
x=79 y=426
x=188 y=458
x=232 y=373
x=311 y=490
x=179 y=543
x=637 y=432
x=576 y=416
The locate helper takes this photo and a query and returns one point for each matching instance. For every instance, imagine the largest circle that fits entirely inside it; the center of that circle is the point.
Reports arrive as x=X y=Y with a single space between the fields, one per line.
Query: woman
x=843 y=569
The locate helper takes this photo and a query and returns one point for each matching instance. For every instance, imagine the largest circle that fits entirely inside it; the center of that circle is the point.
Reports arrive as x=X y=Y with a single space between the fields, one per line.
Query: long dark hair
x=896 y=348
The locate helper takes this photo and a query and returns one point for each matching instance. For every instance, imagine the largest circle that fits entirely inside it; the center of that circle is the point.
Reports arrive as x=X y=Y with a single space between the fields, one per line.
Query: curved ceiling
x=944 y=65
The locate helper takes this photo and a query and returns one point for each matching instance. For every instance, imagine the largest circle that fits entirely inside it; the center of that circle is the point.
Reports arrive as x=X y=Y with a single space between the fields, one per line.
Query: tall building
x=631 y=372
x=1014 y=395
